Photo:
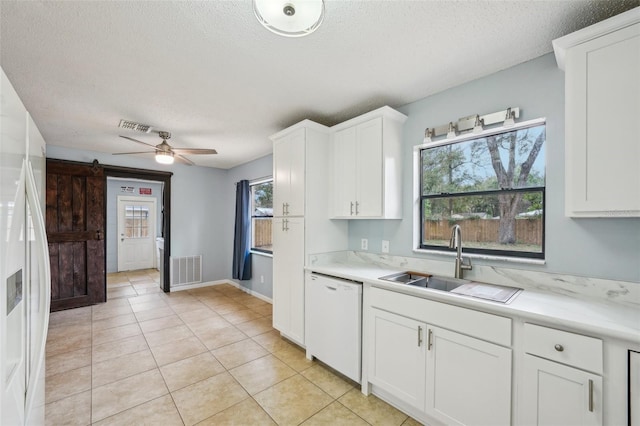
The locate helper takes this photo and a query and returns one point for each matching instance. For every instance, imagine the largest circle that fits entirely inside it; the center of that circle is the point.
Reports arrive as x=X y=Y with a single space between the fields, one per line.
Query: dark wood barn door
x=75 y=218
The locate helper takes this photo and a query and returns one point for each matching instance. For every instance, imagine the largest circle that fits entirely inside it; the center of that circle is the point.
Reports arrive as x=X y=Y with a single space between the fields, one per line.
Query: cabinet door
x=344 y=172
x=370 y=169
x=295 y=269
x=296 y=148
x=281 y=176
x=397 y=361
x=469 y=380
x=555 y=394
x=288 y=179
x=602 y=109
x=281 y=280
x=634 y=388
x=288 y=277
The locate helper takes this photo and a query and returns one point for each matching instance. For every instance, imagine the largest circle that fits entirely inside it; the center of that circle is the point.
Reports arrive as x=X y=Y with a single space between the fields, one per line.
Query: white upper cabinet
x=602 y=106
x=289 y=174
x=366 y=178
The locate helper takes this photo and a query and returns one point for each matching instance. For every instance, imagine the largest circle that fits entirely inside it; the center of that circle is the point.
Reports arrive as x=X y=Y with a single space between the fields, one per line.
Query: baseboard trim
x=219 y=282
x=200 y=285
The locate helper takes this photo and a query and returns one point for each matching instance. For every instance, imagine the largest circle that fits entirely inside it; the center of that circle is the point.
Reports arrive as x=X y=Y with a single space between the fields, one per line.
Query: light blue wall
x=199 y=204
x=262 y=266
x=602 y=248
x=113 y=191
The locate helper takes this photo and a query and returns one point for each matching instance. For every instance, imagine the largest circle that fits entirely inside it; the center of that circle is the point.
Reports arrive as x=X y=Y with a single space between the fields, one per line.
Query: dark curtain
x=242 y=236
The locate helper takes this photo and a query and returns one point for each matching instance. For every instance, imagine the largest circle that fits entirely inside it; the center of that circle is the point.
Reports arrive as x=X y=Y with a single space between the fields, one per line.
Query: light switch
x=364 y=244
x=385 y=246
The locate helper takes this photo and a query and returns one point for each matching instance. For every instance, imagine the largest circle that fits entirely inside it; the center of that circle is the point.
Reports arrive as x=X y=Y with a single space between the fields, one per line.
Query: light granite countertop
x=602 y=318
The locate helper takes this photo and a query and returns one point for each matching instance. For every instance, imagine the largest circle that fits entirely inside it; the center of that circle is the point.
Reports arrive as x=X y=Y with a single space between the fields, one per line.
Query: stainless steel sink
x=459 y=286
x=425 y=280
x=409 y=278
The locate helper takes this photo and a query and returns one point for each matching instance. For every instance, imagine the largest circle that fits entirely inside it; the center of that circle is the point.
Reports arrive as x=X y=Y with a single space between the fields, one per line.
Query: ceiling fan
x=165 y=153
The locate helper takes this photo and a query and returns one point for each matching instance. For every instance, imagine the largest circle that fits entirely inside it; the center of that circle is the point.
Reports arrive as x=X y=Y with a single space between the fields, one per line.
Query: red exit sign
x=145 y=191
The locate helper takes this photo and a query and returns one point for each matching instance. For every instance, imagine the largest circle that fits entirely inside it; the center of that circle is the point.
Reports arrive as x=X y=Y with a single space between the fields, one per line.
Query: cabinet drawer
x=565 y=347
x=489 y=327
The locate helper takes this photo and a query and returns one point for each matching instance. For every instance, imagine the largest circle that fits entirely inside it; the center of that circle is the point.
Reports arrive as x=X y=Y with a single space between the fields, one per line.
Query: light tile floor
x=207 y=356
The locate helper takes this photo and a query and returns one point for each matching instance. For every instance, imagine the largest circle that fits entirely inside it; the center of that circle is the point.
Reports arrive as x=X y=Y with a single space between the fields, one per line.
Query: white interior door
x=136 y=233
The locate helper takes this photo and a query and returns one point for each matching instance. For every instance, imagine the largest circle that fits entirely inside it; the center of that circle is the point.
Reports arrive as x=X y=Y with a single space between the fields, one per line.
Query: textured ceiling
x=213 y=76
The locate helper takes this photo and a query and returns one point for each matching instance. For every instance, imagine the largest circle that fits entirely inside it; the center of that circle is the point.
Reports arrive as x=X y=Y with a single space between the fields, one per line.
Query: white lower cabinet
x=634 y=388
x=397 y=357
x=561 y=378
x=451 y=377
x=468 y=380
x=556 y=394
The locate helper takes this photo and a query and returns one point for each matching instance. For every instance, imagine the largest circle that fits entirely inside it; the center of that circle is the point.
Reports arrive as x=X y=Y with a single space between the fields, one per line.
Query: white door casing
x=136 y=233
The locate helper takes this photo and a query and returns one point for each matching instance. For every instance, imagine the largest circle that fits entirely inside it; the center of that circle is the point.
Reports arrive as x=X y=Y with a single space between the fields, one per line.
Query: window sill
x=523 y=260
x=261 y=253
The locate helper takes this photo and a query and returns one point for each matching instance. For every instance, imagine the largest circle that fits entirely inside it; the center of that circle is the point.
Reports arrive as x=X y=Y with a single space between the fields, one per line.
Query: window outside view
x=261 y=216
x=136 y=218
x=493 y=187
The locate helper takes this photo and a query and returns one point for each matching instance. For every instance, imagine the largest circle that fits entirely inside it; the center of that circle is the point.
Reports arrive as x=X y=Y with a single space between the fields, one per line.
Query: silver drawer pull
x=419 y=336
x=559 y=347
x=429 y=340
x=591 y=395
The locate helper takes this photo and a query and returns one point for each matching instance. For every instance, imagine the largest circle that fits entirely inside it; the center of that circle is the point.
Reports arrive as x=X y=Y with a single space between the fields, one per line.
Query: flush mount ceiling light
x=290 y=18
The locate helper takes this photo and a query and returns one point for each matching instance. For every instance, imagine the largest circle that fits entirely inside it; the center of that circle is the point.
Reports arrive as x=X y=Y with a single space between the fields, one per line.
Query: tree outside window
x=492 y=186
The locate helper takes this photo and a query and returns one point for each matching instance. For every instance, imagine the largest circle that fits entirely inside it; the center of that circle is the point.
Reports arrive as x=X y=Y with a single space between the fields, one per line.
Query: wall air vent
x=131 y=125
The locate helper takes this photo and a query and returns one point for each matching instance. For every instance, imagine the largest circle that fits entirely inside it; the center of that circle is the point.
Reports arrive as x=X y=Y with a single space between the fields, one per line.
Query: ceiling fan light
x=164 y=157
x=290 y=18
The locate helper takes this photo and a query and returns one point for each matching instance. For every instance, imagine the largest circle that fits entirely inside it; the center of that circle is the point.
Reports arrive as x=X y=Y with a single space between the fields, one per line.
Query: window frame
x=251 y=185
x=418 y=222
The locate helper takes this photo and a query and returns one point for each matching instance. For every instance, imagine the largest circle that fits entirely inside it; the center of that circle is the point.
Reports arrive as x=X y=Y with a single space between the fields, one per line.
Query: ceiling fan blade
x=194 y=151
x=138 y=152
x=136 y=140
x=184 y=160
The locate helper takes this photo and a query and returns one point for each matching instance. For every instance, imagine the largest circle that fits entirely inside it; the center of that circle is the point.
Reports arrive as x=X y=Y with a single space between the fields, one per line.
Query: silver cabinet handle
x=283 y=224
x=287 y=205
x=357 y=211
x=559 y=347
x=284 y=210
x=591 y=395
x=430 y=340
x=419 y=336
x=351 y=210
x=287 y=222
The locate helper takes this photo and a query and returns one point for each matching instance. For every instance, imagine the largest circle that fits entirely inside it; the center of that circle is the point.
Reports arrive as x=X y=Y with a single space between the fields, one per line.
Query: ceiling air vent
x=131 y=125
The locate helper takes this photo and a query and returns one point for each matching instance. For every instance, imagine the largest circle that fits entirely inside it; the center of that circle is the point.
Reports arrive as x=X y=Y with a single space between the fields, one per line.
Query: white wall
x=602 y=248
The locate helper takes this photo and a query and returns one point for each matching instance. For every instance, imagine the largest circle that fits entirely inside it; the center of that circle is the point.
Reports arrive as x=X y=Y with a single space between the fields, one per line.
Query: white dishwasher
x=333 y=322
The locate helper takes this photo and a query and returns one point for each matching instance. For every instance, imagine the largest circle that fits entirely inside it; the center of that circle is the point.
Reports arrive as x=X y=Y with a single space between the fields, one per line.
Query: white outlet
x=364 y=244
x=261 y=279
x=385 y=246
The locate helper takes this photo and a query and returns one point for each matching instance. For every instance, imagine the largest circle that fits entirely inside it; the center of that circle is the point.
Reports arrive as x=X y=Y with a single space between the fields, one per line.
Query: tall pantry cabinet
x=300 y=224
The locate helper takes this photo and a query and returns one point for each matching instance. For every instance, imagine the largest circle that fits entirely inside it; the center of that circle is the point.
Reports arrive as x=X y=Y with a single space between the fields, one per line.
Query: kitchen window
x=261 y=215
x=492 y=184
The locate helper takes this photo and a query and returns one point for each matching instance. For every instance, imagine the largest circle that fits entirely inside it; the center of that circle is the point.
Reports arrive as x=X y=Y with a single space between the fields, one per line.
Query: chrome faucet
x=456 y=243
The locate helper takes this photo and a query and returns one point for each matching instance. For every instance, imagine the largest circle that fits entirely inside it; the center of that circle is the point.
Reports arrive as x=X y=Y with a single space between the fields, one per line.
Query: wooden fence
x=262 y=233
x=528 y=231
